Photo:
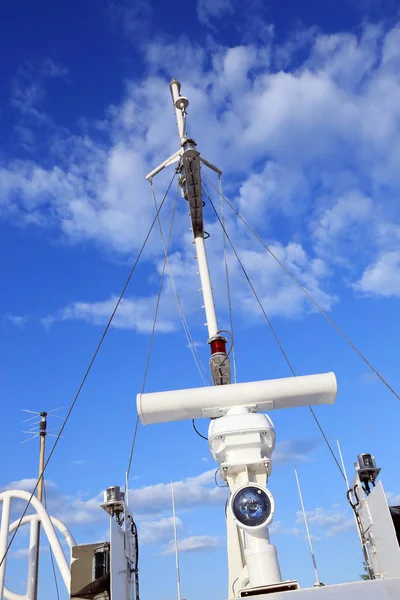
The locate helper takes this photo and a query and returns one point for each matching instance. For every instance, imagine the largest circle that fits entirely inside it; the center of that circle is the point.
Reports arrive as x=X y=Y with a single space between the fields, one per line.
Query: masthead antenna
x=39 y=429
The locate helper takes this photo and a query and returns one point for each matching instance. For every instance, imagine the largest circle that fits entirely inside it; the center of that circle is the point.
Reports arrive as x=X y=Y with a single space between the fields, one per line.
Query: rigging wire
x=160 y=288
x=228 y=286
x=273 y=331
x=191 y=343
x=309 y=296
x=51 y=551
x=88 y=369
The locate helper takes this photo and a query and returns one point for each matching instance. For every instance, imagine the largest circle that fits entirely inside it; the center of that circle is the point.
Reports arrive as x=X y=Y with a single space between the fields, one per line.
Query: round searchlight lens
x=251 y=506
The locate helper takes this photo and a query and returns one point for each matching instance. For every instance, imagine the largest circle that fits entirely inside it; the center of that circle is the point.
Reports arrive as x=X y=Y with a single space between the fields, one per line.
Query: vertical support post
x=43 y=433
x=32 y=564
x=204 y=273
x=317 y=579
x=5 y=523
x=178 y=576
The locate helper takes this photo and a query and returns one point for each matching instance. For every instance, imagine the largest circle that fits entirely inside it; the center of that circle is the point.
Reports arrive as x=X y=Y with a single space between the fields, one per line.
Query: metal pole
x=43 y=433
x=318 y=581
x=343 y=467
x=208 y=297
x=227 y=277
x=178 y=577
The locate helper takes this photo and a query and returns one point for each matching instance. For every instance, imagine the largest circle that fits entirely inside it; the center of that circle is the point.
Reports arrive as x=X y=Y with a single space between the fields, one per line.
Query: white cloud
x=393 y=499
x=189 y=493
x=151 y=532
x=24 y=552
x=78 y=462
x=194 y=543
x=69 y=508
x=345 y=223
x=382 y=277
x=331 y=521
x=135 y=314
x=320 y=140
x=276 y=290
x=76 y=511
x=29 y=95
x=208 y=10
x=292 y=451
x=17 y=320
x=133 y=18
x=23 y=484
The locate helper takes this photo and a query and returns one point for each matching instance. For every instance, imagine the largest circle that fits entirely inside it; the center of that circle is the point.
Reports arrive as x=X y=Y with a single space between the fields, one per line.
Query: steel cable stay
x=285 y=356
x=191 y=343
x=228 y=286
x=309 y=296
x=153 y=329
x=88 y=369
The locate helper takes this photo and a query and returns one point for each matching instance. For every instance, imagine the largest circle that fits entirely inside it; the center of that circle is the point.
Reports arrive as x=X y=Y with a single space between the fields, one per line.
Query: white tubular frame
x=49 y=524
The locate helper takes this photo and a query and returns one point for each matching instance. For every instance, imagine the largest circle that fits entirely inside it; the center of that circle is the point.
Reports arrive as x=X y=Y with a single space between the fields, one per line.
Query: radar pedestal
x=241 y=440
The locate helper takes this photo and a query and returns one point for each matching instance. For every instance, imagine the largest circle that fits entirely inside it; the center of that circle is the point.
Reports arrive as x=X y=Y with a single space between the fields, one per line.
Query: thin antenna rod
x=343 y=466
x=318 y=581
x=178 y=577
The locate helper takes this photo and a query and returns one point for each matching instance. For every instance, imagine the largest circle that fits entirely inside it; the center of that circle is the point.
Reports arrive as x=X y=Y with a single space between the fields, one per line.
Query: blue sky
x=298 y=103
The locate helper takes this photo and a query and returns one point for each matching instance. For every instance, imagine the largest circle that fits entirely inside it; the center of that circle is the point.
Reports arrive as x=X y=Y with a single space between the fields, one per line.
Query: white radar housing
x=215 y=401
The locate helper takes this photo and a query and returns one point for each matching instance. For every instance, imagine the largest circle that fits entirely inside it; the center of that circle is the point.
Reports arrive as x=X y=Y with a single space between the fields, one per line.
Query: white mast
x=318 y=581
x=240 y=438
x=192 y=185
x=178 y=577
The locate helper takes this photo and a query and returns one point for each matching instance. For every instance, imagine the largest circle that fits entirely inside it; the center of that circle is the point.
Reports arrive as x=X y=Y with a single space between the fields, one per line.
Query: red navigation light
x=218 y=344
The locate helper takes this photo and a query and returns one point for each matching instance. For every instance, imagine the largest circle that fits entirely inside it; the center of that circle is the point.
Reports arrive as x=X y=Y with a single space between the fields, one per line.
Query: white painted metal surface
x=383 y=549
x=242 y=443
x=379 y=589
x=261 y=559
x=171 y=160
x=204 y=273
x=241 y=437
x=119 y=566
x=180 y=104
x=195 y=403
